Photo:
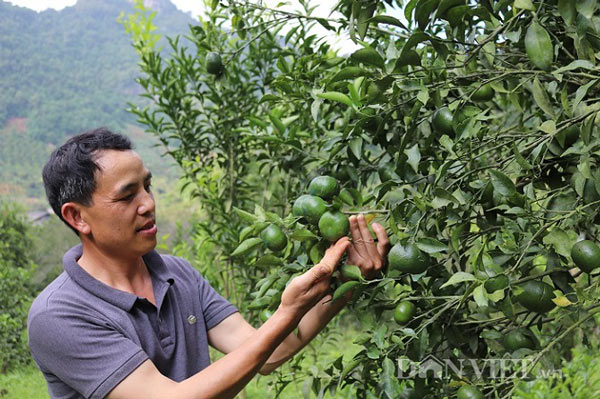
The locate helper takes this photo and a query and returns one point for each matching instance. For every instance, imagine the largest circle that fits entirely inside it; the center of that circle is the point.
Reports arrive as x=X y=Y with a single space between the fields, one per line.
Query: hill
x=62 y=72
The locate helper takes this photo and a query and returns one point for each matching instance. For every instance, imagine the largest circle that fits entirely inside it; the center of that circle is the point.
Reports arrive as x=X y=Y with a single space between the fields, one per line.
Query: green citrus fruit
x=536 y=296
x=214 y=64
x=408 y=258
x=482 y=94
x=586 y=255
x=333 y=225
x=404 y=312
x=442 y=121
x=274 y=238
x=309 y=207
x=374 y=93
x=496 y=283
x=323 y=186
x=469 y=392
x=517 y=339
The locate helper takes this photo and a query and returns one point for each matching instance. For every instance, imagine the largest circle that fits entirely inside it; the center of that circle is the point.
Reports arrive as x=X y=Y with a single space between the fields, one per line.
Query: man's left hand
x=368 y=255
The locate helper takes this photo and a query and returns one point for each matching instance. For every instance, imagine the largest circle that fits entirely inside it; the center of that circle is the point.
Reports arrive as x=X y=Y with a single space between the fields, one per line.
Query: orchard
x=467 y=128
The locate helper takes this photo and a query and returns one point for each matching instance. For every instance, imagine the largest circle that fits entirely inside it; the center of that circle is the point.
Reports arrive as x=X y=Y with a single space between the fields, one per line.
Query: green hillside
x=62 y=72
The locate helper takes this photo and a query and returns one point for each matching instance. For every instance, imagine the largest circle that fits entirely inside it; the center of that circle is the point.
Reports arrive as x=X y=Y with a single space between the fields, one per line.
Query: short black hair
x=69 y=173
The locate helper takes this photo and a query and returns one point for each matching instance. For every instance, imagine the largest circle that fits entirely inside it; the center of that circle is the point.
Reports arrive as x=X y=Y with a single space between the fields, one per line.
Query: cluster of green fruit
x=313 y=209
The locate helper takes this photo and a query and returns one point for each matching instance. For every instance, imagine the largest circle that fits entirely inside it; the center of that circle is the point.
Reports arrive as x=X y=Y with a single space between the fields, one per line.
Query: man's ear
x=72 y=213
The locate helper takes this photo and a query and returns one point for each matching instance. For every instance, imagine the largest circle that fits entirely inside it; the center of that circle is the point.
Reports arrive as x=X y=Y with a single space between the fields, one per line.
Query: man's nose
x=147 y=205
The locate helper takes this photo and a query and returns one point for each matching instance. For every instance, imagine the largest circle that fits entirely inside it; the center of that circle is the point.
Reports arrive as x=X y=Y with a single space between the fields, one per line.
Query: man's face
x=121 y=217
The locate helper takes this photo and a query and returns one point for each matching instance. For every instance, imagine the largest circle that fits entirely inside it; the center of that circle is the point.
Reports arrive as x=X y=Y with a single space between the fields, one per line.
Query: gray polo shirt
x=86 y=337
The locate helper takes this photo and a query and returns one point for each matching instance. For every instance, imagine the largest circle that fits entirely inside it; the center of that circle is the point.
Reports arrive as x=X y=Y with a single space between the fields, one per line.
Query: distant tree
x=15 y=292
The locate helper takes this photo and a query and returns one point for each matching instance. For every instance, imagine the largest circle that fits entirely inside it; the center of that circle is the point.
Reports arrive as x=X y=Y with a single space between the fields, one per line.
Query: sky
x=39 y=5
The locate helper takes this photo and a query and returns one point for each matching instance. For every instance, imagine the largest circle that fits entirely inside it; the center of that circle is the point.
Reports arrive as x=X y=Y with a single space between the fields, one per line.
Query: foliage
x=501 y=195
x=15 y=292
x=206 y=124
x=578 y=378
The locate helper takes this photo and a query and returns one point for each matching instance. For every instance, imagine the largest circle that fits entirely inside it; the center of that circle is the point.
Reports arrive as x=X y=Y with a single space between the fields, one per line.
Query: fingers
x=357 y=239
x=383 y=243
x=368 y=240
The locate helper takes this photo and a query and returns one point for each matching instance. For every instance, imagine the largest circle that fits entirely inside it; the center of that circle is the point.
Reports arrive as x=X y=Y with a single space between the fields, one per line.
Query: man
x=123 y=321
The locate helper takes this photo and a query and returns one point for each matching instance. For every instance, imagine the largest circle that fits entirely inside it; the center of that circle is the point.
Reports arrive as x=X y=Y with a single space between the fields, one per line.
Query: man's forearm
x=238 y=367
x=311 y=324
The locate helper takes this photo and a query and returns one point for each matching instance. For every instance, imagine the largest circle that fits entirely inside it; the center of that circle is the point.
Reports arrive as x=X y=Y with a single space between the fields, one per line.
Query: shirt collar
x=124 y=300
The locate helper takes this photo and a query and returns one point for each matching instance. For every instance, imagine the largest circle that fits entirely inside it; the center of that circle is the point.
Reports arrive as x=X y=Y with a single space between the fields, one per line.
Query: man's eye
x=148 y=186
x=128 y=198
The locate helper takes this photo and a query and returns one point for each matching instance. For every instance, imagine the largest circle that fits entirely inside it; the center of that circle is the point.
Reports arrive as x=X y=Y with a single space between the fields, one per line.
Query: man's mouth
x=149 y=228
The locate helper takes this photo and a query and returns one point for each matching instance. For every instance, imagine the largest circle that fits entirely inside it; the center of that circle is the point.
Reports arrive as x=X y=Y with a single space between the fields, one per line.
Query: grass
x=27 y=383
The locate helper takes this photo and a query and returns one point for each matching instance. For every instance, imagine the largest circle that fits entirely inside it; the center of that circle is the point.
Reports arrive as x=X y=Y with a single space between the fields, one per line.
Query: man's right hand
x=227 y=376
x=304 y=291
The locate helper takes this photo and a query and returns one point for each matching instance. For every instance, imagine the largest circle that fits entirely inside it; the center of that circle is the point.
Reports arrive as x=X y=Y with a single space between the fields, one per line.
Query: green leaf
x=362 y=20
x=423 y=11
x=548 y=127
x=479 y=296
x=583 y=64
x=336 y=96
x=414 y=157
x=268 y=260
x=520 y=159
x=303 y=235
x=343 y=289
x=389 y=383
x=561 y=241
x=581 y=92
x=502 y=183
x=409 y=57
x=389 y=20
x=541 y=98
x=524 y=5
x=368 y=55
x=562 y=301
x=276 y=122
x=247 y=216
x=431 y=245
x=356 y=147
x=457 y=278
x=567 y=10
x=423 y=95
x=351 y=271
x=247 y=246
x=350 y=72
x=586 y=7
x=538 y=46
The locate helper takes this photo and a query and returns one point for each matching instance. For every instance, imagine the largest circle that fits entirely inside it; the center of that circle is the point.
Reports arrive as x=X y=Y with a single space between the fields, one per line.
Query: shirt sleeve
x=215 y=308
x=84 y=352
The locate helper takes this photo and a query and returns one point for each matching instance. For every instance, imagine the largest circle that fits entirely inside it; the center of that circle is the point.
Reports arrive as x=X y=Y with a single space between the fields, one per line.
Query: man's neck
x=125 y=274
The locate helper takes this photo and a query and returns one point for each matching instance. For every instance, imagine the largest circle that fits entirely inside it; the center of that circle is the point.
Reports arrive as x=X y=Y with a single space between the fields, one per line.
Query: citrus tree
x=467 y=128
